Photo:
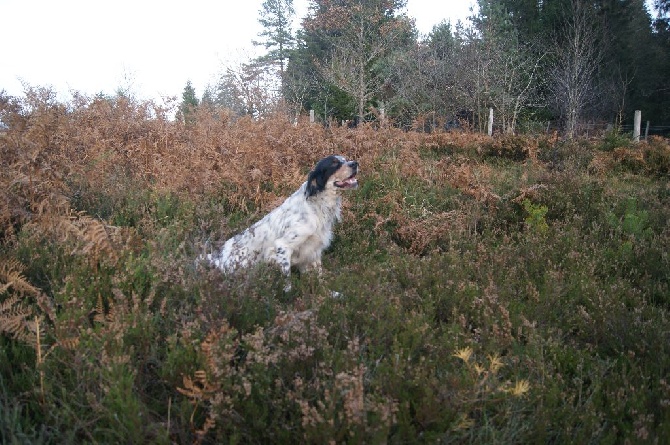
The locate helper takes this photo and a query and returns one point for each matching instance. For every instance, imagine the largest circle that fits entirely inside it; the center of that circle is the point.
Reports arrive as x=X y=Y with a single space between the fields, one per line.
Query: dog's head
x=332 y=173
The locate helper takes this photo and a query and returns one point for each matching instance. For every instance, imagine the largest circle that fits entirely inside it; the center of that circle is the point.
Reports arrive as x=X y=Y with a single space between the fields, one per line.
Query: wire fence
x=589 y=129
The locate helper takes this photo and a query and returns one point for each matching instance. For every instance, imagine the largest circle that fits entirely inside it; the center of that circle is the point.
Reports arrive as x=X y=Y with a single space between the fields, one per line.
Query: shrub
x=614 y=139
x=465 y=298
x=516 y=148
x=657 y=156
x=535 y=220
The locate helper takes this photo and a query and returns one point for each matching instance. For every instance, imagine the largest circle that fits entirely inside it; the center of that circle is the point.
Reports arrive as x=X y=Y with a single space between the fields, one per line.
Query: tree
x=576 y=59
x=563 y=59
x=635 y=65
x=663 y=9
x=633 y=62
x=301 y=82
x=207 y=99
x=508 y=67
x=246 y=88
x=661 y=37
x=305 y=88
x=358 y=36
x=425 y=77
x=189 y=103
x=276 y=17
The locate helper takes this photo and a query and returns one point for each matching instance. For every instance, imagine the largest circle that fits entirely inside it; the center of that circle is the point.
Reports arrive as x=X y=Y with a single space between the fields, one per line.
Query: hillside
x=512 y=289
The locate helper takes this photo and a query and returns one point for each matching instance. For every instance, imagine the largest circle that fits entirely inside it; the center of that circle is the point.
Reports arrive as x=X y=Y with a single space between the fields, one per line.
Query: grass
x=512 y=290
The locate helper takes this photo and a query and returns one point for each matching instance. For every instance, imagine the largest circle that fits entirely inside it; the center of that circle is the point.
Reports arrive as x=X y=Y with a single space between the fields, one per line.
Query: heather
x=506 y=289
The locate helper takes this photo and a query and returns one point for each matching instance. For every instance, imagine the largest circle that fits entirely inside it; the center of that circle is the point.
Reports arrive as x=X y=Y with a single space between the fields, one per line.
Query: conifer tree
x=189 y=103
x=276 y=17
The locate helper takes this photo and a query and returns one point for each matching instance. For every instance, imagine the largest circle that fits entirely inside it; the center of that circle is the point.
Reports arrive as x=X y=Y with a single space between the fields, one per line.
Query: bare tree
x=577 y=57
x=514 y=81
x=298 y=85
x=424 y=78
x=504 y=72
x=247 y=88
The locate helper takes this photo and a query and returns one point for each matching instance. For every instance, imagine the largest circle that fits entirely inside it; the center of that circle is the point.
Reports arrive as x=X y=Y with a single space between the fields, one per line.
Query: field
x=504 y=290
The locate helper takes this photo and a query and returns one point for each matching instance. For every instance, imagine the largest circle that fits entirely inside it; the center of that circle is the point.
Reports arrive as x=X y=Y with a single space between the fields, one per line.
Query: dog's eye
x=336 y=162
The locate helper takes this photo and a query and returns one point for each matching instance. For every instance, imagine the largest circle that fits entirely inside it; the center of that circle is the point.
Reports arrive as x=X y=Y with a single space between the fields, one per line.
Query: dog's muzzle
x=351 y=182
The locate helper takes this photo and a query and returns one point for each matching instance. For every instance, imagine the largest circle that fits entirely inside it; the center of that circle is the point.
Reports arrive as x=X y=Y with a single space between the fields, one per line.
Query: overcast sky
x=152 y=47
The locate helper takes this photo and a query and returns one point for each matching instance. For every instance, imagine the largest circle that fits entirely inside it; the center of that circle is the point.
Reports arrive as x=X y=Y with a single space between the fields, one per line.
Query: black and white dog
x=296 y=233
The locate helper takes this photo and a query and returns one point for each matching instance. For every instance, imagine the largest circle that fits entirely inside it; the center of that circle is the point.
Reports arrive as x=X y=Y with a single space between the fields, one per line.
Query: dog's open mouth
x=350 y=183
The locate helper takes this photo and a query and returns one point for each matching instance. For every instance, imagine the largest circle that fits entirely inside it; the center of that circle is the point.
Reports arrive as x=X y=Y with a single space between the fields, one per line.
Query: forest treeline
x=564 y=62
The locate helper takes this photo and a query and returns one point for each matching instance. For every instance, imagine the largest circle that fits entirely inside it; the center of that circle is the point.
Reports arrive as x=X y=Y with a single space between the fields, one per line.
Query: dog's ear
x=316 y=182
x=318 y=178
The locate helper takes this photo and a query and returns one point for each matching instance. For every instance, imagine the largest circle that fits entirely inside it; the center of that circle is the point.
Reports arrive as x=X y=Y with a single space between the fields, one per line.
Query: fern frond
x=69 y=343
x=96 y=238
x=14 y=319
x=8 y=303
x=98 y=312
x=15 y=316
x=91 y=237
x=111 y=315
x=33 y=331
x=11 y=276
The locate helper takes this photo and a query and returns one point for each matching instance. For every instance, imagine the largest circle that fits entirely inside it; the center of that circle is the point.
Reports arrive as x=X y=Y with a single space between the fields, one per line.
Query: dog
x=296 y=233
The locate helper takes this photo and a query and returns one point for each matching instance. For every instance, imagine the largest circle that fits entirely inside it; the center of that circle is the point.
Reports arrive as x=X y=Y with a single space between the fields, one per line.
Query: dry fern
x=14 y=319
x=93 y=239
x=421 y=235
x=17 y=319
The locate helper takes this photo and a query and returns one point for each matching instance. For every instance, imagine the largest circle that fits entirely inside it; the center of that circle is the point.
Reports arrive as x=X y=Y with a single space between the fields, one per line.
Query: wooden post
x=311 y=116
x=636 y=126
x=646 y=131
x=490 y=121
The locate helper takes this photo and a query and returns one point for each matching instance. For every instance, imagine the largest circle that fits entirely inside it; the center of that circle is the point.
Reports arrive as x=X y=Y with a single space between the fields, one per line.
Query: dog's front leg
x=283 y=258
x=313 y=266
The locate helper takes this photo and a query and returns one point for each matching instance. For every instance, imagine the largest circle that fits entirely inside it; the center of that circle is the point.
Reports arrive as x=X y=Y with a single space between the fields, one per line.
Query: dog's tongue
x=348 y=183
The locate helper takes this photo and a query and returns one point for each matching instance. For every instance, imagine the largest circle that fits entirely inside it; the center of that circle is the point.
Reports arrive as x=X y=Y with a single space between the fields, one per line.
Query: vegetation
x=563 y=65
x=276 y=18
x=188 y=103
x=490 y=290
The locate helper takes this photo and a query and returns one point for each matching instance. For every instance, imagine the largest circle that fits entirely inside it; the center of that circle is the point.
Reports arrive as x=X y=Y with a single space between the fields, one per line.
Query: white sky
x=150 y=47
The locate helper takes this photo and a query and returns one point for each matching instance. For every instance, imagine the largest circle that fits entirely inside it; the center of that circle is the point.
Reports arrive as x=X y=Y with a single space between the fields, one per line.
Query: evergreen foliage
x=276 y=17
x=511 y=55
x=189 y=103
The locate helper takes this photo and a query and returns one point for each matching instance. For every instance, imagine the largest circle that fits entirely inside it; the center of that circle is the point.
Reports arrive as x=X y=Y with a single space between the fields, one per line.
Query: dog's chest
x=310 y=221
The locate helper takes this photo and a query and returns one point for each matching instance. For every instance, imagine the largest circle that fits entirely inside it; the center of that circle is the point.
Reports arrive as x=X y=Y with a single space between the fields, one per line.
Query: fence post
x=311 y=116
x=636 y=126
x=646 y=131
x=490 y=121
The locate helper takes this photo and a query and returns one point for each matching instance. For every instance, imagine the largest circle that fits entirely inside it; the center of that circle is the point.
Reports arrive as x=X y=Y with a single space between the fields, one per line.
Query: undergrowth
x=506 y=290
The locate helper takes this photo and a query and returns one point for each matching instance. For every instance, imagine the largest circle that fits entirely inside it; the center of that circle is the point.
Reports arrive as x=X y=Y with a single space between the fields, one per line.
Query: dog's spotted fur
x=296 y=233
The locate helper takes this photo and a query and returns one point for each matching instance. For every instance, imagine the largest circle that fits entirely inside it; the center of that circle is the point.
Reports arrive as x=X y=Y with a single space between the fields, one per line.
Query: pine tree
x=189 y=103
x=276 y=17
